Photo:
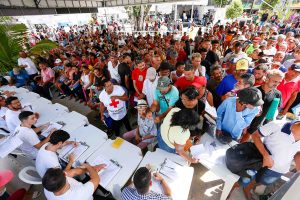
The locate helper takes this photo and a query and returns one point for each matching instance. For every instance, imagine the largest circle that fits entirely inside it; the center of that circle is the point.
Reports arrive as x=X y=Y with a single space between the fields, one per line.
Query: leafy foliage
x=43 y=47
x=265 y=6
x=234 y=10
x=135 y=13
x=221 y=3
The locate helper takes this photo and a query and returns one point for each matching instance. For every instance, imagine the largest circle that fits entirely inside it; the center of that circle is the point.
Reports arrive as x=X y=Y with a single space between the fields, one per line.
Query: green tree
x=137 y=14
x=265 y=6
x=234 y=10
x=221 y=3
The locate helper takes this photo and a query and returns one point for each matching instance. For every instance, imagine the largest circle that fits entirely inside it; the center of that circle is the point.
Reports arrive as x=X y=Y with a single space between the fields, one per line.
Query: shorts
x=263 y=176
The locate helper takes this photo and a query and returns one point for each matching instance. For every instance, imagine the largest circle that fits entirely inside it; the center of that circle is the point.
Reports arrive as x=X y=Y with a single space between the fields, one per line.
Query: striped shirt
x=130 y=193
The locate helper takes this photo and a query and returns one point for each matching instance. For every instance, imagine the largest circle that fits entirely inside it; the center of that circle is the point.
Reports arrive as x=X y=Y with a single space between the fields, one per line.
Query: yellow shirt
x=174 y=134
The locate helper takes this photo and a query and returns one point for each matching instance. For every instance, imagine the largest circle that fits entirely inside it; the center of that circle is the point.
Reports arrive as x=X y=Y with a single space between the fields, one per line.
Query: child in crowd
x=146 y=131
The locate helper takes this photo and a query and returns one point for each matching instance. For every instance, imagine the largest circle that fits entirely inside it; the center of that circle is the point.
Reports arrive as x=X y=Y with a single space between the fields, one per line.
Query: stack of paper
x=107 y=174
x=209 y=152
x=8 y=145
x=53 y=125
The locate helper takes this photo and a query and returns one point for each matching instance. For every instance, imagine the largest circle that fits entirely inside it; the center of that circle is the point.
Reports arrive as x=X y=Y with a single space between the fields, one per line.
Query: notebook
x=111 y=170
x=53 y=125
x=69 y=149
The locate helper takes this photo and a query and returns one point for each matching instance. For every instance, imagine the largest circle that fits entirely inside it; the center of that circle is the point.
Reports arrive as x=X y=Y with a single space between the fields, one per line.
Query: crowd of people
x=246 y=73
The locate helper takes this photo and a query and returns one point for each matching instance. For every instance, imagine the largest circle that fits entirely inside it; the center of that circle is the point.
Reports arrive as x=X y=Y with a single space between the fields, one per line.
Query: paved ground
x=205 y=186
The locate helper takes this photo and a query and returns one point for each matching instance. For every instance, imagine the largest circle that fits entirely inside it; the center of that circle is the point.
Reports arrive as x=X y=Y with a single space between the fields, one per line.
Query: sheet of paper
x=53 y=125
x=170 y=169
x=78 y=151
x=8 y=145
x=156 y=186
x=107 y=174
x=65 y=150
x=211 y=110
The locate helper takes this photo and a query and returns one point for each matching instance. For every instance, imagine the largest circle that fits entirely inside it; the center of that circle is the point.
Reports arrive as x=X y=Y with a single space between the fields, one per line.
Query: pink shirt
x=47 y=74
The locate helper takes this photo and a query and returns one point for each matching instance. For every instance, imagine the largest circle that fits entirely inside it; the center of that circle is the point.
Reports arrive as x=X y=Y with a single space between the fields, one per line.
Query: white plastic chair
x=29 y=175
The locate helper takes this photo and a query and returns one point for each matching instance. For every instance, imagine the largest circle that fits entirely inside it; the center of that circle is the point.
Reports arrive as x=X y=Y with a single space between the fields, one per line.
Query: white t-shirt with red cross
x=116 y=108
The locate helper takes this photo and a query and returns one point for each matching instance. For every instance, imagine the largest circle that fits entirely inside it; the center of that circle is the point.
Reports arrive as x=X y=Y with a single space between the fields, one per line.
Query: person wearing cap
x=229 y=81
x=189 y=79
x=113 y=99
x=141 y=187
x=28 y=135
x=58 y=65
x=236 y=113
x=150 y=85
x=24 y=62
x=146 y=131
x=279 y=149
x=113 y=65
x=138 y=77
x=289 y=88
x=5 y=177
x=18 y=77
x=165 y=97
x=294 y=59
x=269 y=93
x=271 y=46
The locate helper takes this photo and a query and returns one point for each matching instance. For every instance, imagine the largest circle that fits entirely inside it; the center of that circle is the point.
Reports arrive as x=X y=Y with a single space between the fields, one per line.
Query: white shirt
x=31 y=68
x=12 y=118
x=281 y=145
x=148 y=89
x=29 y=139
x=116 y=108
x=200 y=69
x=77 y=191
x=46 y=159
x=114 y=71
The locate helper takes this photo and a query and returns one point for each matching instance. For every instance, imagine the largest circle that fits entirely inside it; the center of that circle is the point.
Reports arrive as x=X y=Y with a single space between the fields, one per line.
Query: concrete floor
x=205 y=186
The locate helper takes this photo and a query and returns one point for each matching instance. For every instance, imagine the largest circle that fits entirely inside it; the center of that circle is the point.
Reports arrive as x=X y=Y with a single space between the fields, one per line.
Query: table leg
x=226 y=189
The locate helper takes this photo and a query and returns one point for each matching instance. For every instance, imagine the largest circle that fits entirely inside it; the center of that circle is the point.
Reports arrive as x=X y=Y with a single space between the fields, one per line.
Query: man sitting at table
x=12 y=114
x=47 y=156
x=28 y=136
x=57 y=185
x=236 y=113
x=142 y=183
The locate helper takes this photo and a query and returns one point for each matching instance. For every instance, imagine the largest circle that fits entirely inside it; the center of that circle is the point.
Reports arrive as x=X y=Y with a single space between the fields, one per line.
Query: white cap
x=57 y=61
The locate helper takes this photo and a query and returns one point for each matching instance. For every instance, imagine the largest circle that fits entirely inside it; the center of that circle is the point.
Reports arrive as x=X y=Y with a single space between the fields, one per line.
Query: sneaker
x=63 y=96
x=60 y=94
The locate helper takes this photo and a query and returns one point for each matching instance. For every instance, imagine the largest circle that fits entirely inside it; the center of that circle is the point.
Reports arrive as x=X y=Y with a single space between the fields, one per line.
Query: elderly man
x=26 y=63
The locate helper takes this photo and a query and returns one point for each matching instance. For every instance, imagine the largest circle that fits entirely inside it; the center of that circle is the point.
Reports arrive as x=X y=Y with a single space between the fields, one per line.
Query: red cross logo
x=114 y=103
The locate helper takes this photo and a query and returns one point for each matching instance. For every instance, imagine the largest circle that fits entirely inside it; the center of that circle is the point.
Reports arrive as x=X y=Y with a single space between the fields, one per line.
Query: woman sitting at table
x=175 y=134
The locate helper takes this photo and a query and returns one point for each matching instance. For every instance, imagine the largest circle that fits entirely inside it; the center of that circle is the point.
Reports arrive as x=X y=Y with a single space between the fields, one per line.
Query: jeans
x=163 y=145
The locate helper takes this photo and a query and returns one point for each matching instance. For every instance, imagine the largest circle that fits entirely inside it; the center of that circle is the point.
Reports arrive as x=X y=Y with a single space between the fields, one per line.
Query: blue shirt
x=20 y=79
x=171 y=97
x=231 y=121
x=226 y=85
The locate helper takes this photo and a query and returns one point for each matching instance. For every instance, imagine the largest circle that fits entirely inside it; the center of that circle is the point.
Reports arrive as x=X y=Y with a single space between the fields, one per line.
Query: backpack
x=242 y=157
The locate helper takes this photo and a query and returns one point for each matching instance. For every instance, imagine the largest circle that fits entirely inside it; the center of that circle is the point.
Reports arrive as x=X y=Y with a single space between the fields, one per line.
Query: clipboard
x=78 y=151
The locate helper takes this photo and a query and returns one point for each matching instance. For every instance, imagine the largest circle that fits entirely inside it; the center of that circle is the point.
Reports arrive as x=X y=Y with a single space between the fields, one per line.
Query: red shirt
x=287 y=89
x=139 y=76
x=258 y=83
x=182 y=56
x=182 y=83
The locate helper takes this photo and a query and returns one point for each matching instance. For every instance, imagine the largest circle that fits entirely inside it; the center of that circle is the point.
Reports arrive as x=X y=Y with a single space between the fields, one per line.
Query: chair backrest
x=29 y=175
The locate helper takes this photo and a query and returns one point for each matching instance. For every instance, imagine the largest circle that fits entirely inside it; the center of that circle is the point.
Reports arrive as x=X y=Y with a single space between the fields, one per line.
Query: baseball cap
x=5 y=177
x=242 y=64
x=251 y=96
x=241 y=38
x=163 y=82
x=296 y=67
x=141 y=103
x=57 y=61
x=199 y=82
x=257 y=39
x=151 y=73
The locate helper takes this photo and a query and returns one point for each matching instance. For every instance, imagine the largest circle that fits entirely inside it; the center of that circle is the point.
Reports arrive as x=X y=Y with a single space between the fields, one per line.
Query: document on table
x=53 y=125
x=69 y=149
x=170 y=169
x=209 y=152
x=108 y=173
x=8 y=145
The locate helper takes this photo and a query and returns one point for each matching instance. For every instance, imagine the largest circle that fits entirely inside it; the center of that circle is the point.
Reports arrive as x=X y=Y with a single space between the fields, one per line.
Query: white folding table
x=90 y=135
x=28 y=97
x=181 y=186
x=217 y=168
x=73 y=120
x=127 y=155
x=48 y=112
